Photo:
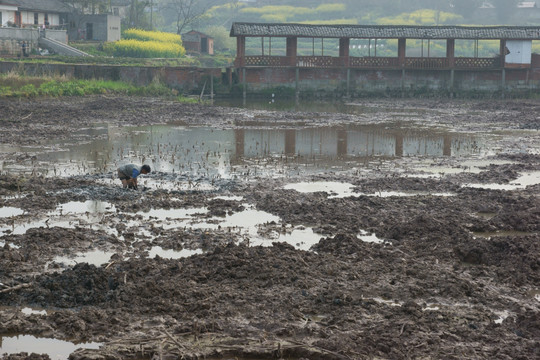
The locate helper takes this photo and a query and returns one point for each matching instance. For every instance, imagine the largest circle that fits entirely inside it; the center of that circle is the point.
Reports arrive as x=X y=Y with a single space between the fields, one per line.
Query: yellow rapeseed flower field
x=145 y=49
x=144 y=35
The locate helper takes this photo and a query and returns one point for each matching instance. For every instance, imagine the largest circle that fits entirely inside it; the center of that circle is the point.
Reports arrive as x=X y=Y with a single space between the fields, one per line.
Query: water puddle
x=22 y=228
x=178 y=218
x=8 y=211
x=56 y=349
x=67 y=215
x=301 y=238
x=334 y=188
x=502 y=315
x=341 y=190
x=230 y=198
x=407 y=194
x=173 y=214
x=172 y=254
x=473 y=166
x=370 y=238
x=82 y=207
x=249 y=220
x=93 y=257
x=249 y=223
x=29 y=311
x=528 y=179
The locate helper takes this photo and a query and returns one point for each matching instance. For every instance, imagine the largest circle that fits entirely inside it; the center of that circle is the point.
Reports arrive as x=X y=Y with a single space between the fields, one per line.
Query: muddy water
x=56 y=349
x=204 y=151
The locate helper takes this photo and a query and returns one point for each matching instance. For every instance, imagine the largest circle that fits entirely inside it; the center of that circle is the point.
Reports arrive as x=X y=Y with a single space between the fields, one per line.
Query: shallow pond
x=224 y=153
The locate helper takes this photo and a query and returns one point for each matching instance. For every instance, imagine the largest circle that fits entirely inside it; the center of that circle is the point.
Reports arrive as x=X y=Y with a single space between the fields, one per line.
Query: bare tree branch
x=187 y=12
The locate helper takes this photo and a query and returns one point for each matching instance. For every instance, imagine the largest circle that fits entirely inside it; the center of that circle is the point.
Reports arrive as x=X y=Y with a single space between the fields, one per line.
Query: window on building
x=1 y=22
x=46 y=20
x=116 y=11
x=36 y=19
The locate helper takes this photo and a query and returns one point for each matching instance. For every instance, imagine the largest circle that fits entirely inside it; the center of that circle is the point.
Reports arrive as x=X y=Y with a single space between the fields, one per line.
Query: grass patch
x=107 y=60
x=25 y=86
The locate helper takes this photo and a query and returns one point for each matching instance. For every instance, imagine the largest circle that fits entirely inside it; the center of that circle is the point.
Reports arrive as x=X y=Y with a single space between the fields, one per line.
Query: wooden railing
x=373 y=62
x=477 y=63
x=267 y=61
x=319 y=61
x=426 y=63
x=370 y=62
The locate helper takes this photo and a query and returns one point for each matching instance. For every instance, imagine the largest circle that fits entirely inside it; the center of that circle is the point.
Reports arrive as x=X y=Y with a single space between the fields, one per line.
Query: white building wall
x=520 y=51
x=114 y=23
x=27 y=18
x=8 y=14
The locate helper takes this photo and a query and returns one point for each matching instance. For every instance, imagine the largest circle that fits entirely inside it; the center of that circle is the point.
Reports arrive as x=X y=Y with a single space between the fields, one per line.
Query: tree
x=186 y=12
x=221 y=37
x=89 y=6
x=137 y=14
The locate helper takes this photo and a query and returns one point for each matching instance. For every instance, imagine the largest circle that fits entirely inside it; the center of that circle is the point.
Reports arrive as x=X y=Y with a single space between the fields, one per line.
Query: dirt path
x=454 y=273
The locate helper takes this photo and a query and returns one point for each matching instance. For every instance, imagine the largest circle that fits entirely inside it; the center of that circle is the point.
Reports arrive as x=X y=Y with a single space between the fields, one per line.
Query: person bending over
x=128 y=174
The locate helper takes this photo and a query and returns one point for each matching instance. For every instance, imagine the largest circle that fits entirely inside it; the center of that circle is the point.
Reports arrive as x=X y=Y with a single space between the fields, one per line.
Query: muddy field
x=428 y=248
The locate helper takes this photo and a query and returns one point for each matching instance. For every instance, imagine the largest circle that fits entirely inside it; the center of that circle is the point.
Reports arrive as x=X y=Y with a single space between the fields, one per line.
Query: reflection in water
x=89 y=206
x=204 y=151
x=286 y=104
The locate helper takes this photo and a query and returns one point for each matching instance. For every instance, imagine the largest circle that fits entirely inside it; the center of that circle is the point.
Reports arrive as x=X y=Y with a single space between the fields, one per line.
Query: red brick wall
x=376 y=80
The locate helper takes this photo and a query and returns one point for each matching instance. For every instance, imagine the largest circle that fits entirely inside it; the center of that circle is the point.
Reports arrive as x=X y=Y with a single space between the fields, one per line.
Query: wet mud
x=456 y=273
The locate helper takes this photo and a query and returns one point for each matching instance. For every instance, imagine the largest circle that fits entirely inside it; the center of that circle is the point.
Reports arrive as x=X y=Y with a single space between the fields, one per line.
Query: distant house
x=120 y=8
x=34 y=13
x=519 y=5
x=198 y=42
x=527 y=5
x=99 y=27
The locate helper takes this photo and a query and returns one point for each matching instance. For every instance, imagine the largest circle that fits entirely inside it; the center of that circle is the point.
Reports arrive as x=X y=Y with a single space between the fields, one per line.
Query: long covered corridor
x=514 y=50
